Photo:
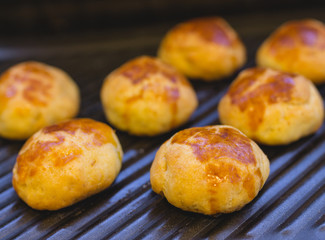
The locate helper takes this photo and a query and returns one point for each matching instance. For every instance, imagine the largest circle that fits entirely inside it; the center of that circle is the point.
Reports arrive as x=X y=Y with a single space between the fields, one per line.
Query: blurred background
x=35 y=26
x=65 y=16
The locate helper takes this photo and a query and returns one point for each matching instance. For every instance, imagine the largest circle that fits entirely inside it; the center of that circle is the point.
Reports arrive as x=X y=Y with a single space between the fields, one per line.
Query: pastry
x=272 y=107
x=209 y=170
x=34 y=95
x=204 y=48
x=64 y=163
x=296 y=47
x=147 y=97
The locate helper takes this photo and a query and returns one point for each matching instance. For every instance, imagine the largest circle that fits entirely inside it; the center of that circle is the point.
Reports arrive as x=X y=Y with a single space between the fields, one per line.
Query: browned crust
x=35 y=152
x=252 y=93
x=208 y=144
x=35 y=79
x=210 y=29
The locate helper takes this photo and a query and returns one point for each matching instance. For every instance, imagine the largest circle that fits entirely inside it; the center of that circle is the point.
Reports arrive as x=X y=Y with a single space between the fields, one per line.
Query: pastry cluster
x=209 y=170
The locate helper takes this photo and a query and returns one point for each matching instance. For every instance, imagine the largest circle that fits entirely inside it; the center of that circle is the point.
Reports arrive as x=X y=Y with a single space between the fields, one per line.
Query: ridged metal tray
x=290 y=206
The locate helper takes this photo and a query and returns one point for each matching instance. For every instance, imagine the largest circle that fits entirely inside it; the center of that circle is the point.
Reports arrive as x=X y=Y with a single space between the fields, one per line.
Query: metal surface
x=290 y=206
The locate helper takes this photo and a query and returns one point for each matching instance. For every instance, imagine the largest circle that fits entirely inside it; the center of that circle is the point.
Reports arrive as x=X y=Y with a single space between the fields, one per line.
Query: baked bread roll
x=296 y=47
x=34 y=95
x=64 y=163
x=272 y=107
x=147 y=97
x=203 y=48
x=209 y=170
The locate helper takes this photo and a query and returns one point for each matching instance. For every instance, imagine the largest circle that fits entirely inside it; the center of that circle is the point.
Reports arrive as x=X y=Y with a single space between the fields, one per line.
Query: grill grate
x=291 y=205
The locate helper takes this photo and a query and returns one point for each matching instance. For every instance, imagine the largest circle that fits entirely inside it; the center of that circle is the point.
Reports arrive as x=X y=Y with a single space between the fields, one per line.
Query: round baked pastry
x=296 y=47
x=203 y=48
x=34 y=95
x=147 y=97
x=64 y=163
x=209 y=170
x=272 y=107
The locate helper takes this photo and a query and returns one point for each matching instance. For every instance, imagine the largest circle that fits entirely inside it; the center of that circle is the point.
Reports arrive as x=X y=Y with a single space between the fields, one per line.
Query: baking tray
x=290 y=206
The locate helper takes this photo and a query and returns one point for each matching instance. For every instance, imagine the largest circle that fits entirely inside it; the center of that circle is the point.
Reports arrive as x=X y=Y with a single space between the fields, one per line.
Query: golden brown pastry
x=147 y=97
x=209 y=170
x=64 y=163
x=34 y=95
x=272 y=107
x=203 y=48
x=296 y=47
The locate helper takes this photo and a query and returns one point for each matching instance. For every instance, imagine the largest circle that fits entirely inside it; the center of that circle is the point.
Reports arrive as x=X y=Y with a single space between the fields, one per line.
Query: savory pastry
x=296 y=47
x=272 y=107
x=34 y=95
x=209 y=170
x=64 y=163
x=147 y=97
x=203 y=48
